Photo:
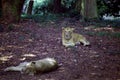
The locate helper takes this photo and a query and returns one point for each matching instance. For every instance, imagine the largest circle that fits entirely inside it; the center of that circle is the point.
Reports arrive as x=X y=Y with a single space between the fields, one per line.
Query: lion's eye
x=33 y=62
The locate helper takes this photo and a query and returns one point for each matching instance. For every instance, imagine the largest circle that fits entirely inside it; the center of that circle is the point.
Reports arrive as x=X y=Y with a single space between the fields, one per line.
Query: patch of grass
x=116 y=34
x=102 y=33
x=90 y=33
x=107 y=34
x=103 y=23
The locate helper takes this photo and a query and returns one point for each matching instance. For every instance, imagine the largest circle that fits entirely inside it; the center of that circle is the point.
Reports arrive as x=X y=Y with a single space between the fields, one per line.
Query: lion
x=69 y=38
x=41 y=66
x=31 y=68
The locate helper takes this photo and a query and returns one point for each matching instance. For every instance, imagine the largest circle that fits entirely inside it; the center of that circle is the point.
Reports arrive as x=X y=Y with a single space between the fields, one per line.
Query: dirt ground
x=32 y=41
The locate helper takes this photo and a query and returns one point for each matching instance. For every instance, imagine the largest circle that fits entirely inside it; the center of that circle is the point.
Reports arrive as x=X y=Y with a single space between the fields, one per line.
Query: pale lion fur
x=69 y=38
x=43 y=65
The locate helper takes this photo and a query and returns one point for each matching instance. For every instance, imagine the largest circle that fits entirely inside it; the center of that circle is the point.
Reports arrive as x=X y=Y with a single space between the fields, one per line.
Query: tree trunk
x=57 y=6
x=30 y=6
x=11 y=10
x=78 y=6
x=89 y=9
x=0 y=8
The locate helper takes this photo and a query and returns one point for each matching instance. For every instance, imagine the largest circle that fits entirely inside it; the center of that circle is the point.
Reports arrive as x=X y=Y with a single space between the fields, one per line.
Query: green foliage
x=46 y=6
x=116 y=34
x=68 y=3
x=43 y=6
x=101 y=8
x=109 y=7
x=42 y=18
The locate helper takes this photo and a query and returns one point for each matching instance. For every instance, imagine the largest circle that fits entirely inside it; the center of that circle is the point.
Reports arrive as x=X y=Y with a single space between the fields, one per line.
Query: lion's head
x=67 y=32
x=29 y=68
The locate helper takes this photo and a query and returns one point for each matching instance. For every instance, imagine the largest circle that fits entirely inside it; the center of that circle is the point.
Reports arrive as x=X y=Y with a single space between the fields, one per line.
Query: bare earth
x=32 y=41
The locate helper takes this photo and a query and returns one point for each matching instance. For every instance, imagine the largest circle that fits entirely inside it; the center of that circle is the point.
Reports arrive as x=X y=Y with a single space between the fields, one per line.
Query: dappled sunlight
x=13 y=46
x=89 y=27
x=97 y=29
x=31 y=30
x=5 y=58
x=2 y=48
x=46 y=42
x=22 y=59
x=47 y=79
x=29 y=55
x=30 y=40
x=93 y=52
x=109 y=29
x=36 y=52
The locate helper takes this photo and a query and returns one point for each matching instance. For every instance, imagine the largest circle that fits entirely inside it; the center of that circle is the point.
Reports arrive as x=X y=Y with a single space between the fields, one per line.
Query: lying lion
x=69 y=38
x=33 y=67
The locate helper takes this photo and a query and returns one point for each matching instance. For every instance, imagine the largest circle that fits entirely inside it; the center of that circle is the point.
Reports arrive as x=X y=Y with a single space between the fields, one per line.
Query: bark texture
x=11 y=10
x=89 y=9
x=78 y=6
x=29 y=11
x=57 y=6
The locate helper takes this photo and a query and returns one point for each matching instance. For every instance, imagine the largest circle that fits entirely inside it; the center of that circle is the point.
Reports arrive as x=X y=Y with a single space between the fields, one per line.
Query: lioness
x=33 y=67
x=43 y=65
x=69 y=38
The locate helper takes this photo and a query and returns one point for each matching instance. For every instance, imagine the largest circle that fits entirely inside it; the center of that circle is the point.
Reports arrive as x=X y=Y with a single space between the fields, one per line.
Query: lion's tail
x=12 y=68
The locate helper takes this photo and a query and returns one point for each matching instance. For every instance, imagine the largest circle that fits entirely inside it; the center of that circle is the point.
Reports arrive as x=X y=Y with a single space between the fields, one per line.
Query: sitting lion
x=69 y=38
x=33 y=67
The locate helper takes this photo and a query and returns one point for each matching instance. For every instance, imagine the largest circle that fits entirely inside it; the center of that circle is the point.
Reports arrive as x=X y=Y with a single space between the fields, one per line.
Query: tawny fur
x=33 y=67
x=17 y=68
x=43 y=65
x=69 y=38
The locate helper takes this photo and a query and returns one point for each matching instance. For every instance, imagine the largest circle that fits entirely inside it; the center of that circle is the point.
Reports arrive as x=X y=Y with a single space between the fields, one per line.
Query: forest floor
x=29 y=41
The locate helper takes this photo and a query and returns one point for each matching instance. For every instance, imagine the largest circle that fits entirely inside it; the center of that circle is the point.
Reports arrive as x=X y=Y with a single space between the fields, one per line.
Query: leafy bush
x=46 y=6
x=43 y=6
x=69 y=4
x=42 y=18
x=109 y=7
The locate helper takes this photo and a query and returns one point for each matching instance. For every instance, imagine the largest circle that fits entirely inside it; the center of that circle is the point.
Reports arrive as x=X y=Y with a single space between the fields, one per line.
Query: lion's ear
x=62 y=28
x=32 y=62
x=72 y=28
